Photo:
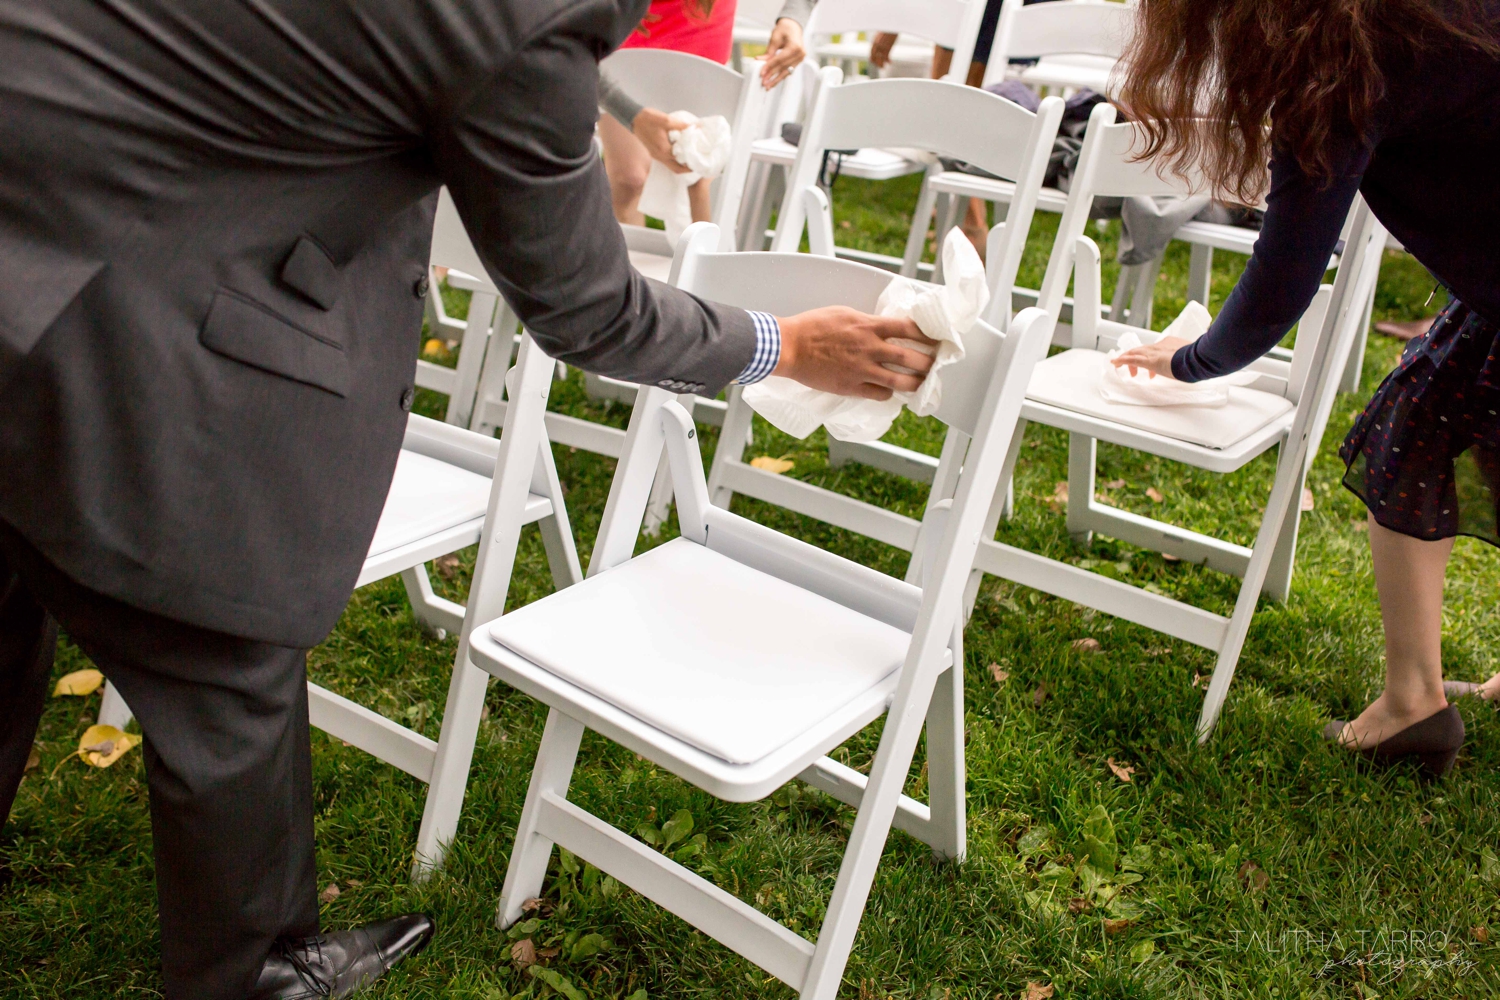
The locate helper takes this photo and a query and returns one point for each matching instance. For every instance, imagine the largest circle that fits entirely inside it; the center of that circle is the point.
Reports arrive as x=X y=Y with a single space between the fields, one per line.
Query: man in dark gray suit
x=214 y=223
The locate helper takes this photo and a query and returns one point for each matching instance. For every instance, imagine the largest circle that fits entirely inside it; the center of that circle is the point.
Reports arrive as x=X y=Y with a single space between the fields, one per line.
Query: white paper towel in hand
x=1142 y=389
x=703 y=147
x=943 y=313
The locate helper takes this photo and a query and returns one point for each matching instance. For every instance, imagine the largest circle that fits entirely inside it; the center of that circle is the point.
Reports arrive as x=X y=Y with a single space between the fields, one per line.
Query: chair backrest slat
x=1069 y=27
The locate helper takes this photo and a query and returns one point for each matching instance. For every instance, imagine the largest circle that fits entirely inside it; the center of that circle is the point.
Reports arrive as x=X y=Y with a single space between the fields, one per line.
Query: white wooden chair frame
x=951 y=23
x=973 y=125
x=984 y=401
x=1309 y=380
x=525 y=490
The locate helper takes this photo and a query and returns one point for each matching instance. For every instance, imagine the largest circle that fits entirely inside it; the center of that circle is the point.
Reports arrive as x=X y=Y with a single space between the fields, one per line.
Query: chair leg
x=1144 y=293
x=866 y=844
x=1278 y=585
x=433 y=618
x=471 y=354
x=659 y=505
x=732 y=440
x=112 y=710
x=916 y=239
x=945 y=764
x=1200 y=273
x=1354 y=367
x=1119 y=309
x=557 y=533
x=450 y=770
x=947 y=209
x=1082 y=451
x=529 y=855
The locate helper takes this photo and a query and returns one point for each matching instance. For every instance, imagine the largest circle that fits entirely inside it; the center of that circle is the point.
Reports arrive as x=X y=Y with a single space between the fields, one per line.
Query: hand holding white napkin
x=703 y=147
x=1118 y=385
x=942 y=312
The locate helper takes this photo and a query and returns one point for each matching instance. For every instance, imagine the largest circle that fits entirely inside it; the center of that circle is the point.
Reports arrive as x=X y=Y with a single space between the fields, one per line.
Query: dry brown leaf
x=534 y=903
x=1198 y=679
x=1036 y=991
x=1078 y=905
x=1307 y=499
x=1114 y=484
x=547 y=953
x=1087 y=645
x=1168 y=557
x=523 y=953
x=845 y=224
x=101 y=746
x=1253 y=877
x=1001 y=676
x=1113 y=927
x=1480 y=933
x=78 y=683
x=329 y=894
x=33 y=759
x=446 y=566
x=775 y=465
x=1039 y=695
x=1154 y=494
x=1121 y=771
x=1059 y=496
x=354 y=883
x=432 y=348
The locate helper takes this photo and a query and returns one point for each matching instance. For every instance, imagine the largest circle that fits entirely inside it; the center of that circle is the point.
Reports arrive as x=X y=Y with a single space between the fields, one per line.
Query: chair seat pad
x=427 y=496
x=1070 y=380
x=726 y=658
x=651 y=265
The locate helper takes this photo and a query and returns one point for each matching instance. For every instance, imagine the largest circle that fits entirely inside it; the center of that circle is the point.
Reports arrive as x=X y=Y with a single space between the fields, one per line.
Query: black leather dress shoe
x=1433 y=743
x=340 y=963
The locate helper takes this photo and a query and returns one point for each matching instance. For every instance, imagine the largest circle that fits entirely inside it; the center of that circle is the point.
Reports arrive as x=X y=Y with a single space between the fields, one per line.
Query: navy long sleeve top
x=1430 y=171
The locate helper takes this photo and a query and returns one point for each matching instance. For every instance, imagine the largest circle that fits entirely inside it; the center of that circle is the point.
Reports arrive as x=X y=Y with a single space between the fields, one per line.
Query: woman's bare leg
x=1409 y=577
x=698 y=201
x=626 y=162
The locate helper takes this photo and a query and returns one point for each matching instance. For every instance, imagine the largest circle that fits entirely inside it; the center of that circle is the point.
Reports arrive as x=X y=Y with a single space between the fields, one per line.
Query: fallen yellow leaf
x=776 y=465
x=1113 y=927
x=1036 y=991
x=1121 y=771
x=1480 y=933
x=101 y=746
x=523 y=953
x=78 y=683
x=1154 y=494
x=1001 y=676
x=433 y=347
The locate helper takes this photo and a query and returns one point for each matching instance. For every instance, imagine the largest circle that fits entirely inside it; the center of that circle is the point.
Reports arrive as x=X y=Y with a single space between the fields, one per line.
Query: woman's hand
x=880 y=49
x=842 y=350
x=1154 y=358
x=651 y=127
x=784 y=52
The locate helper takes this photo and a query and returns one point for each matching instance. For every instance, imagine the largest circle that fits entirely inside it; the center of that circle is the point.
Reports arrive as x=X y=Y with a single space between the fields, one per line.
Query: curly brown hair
x=1205 y=77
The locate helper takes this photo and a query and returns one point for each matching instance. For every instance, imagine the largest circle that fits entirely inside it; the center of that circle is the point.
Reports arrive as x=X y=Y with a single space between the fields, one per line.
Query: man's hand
x=845 y=351
x=784 y=52
x=1154 y=358
x=880 y=49
x=651 y=127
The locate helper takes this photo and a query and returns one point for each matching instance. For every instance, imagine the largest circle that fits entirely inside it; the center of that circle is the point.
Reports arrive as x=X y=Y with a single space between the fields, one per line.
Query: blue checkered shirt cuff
x=767 y=349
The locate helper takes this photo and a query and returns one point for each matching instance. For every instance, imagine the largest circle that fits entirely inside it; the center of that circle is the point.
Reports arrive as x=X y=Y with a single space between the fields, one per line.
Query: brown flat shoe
x=1434 y=743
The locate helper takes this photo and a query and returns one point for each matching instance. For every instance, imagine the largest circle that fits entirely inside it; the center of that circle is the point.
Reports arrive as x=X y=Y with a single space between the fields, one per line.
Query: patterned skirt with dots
x=1424 y=456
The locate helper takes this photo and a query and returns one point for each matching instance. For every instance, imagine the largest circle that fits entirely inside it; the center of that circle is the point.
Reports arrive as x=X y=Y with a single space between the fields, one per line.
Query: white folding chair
x=737 y=658
x=1286 y=407
x=948 y=119
x=670 y=81
x=950 y=23
x=753 y=23
x=452 y=488
x=1075 y=43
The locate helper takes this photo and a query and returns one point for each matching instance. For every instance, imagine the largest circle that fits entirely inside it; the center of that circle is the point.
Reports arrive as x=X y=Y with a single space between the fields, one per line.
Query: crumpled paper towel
x=943 y=313
x=703 y=147
x=1119 y=386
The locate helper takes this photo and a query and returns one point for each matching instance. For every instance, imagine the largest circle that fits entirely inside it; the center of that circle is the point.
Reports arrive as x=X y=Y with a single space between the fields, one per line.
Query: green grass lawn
x=1262 y=865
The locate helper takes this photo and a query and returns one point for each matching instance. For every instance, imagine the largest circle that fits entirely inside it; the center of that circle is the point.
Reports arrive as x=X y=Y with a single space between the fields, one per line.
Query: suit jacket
x=215 y=217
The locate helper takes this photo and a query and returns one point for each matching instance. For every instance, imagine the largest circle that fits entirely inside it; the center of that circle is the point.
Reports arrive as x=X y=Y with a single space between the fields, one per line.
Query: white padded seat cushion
x=1070 y=380
x=651 y=265
x=427 y=496
x=726 y=658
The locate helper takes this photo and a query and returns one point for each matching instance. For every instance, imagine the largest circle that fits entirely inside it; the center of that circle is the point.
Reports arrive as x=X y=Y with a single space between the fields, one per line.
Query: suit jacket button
x=420 y=288
x=408 y=396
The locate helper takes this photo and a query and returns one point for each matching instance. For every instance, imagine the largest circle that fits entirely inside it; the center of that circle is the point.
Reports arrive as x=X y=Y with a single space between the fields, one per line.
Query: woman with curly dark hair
x=1400 y=101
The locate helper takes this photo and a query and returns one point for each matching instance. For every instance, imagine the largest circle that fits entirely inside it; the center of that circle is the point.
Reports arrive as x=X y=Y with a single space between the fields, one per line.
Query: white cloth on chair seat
x=426 y=497
x=1071 y=380
x=726 y=658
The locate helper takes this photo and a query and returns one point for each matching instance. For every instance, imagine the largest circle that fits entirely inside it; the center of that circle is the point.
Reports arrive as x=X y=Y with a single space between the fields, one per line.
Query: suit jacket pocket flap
x=245 y=331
